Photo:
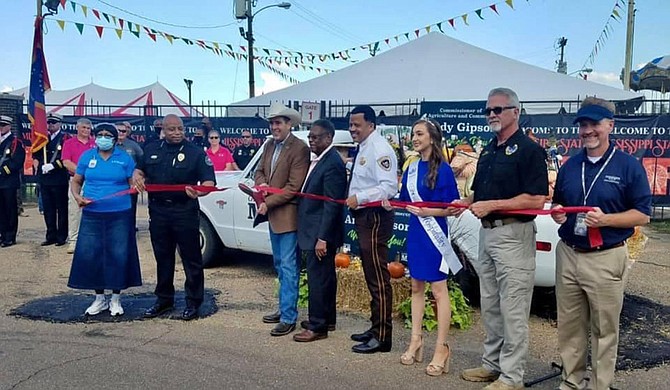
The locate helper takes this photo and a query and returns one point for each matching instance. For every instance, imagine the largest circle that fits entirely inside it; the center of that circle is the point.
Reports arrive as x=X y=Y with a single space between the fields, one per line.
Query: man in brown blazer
x=284 y=164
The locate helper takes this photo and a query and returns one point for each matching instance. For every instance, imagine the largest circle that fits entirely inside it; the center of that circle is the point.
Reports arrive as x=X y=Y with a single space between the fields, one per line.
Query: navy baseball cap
x=594 y=113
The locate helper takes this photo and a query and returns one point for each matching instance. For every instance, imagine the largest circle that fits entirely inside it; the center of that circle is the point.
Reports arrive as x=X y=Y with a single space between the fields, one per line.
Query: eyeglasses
x=108 y=136
x=315 y=136
x=496 y=110
x=214 y=137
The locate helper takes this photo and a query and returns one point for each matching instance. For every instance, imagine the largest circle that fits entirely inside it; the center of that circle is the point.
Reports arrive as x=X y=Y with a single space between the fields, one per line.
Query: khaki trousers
x=74 y=216
x=506 y=269
x=589 y=295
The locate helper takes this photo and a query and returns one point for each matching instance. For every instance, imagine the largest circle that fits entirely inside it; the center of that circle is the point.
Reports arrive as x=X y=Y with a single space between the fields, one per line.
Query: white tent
x=436 y=67
x=93 y=99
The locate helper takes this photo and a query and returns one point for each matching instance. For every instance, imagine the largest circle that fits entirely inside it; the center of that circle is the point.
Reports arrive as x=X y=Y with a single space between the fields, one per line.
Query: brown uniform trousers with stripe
x=375 y=227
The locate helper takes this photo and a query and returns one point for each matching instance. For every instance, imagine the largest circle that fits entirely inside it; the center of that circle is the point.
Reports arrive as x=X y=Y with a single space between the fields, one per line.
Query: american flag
x=39 y=83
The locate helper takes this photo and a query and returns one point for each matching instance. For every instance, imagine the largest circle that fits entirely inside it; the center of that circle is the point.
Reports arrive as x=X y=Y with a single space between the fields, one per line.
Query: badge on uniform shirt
x=580 y=225
x=362 y=161
x=511 y=149
x=208 y=161
x=180 y=157
x=59 y=147
x=385 y=163
x=251 y=152
x=92 y=163
x=153 y=156
x=8 y=151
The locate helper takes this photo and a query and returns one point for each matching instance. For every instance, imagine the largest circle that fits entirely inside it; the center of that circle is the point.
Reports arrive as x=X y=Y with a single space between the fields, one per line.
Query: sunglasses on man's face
x=122 y=131
x=496 y=110
x=214 y=137
x=246 y=136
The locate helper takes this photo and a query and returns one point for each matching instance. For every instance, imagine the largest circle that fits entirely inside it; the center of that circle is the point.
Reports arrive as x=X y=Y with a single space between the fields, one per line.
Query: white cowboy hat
x=278 y=109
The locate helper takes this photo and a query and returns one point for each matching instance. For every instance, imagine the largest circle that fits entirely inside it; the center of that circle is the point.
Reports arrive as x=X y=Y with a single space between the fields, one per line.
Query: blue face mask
x=104 y=143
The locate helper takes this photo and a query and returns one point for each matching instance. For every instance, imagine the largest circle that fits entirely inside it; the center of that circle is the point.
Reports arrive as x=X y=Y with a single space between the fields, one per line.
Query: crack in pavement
x=61 y=364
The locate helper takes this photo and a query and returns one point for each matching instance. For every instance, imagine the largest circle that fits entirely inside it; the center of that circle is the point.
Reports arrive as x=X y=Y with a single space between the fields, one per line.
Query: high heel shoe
x=410 y=357
x=434 y=369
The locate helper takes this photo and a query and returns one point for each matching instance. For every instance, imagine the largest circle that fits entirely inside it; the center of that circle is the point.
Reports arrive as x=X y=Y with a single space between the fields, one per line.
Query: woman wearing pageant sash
x=429 y=252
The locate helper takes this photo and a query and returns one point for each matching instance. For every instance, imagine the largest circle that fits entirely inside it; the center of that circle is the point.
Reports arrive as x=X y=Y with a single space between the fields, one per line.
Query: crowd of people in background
x=80 y=177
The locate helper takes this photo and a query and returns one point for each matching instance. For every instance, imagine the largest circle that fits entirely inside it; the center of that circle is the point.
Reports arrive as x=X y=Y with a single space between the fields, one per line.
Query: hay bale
x=353 y=294
x=636 y=244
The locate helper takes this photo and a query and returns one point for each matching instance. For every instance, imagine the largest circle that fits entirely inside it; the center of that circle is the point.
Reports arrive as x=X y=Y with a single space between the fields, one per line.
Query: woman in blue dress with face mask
x=105 y=257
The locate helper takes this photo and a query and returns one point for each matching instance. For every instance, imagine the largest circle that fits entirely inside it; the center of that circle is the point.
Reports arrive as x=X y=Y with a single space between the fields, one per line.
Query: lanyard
x=587 y=193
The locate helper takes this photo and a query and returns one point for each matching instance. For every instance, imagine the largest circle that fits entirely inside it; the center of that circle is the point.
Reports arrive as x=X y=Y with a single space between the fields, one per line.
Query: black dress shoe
x=158 y=309
x=189 y=313
x=47 y=243
x=7 y=243
x=305 y=325
x=61 y=243
x=362 y=337
x=282 y=329
x=372 y=346
x=272 y=318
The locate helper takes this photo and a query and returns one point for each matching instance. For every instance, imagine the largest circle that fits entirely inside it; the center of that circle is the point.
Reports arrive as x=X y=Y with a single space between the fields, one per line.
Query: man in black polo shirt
x=511 y=174
x=590 y=277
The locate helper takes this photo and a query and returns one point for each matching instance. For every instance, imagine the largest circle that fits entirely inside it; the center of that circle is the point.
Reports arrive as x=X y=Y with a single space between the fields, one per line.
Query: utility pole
x=39 y=8
x=630 y=28
x=562 y=66
x=250 y=49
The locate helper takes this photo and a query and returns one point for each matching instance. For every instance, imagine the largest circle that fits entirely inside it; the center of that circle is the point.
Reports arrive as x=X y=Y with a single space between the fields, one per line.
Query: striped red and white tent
x=96 y=100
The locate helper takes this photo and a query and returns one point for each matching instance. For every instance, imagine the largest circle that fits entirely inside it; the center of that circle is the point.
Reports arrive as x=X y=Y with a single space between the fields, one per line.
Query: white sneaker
x=99 y=305
x=115 y=308
x=70 y=248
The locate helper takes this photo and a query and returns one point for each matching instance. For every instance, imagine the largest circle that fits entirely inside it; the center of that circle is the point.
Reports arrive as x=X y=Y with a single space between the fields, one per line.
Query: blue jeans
x=284 y=253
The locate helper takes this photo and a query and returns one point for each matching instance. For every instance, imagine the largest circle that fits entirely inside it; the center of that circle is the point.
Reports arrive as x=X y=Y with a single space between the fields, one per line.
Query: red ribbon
x=594 y=235
x=162 y=188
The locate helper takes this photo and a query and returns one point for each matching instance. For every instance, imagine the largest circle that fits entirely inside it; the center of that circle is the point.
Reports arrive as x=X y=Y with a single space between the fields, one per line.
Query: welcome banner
x=645 y=137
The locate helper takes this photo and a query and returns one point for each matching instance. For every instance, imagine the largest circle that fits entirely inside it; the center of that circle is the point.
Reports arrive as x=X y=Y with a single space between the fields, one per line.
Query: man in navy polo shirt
x=590 y=278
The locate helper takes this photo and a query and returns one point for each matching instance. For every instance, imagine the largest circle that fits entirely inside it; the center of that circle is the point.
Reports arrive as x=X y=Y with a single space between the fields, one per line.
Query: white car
x=226 y=222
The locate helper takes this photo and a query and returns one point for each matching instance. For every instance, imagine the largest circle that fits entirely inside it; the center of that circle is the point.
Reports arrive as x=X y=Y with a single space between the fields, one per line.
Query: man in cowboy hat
x=11 y=165
x=284 y=164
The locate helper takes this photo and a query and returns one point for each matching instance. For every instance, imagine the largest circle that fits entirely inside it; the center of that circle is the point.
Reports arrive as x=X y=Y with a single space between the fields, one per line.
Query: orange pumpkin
x=396 y=269
x=342 y=260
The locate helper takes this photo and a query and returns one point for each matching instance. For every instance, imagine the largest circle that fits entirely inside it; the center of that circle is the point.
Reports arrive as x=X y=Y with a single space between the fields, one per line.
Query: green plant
x=303 y=290
x=461 y=313
x=661 y=226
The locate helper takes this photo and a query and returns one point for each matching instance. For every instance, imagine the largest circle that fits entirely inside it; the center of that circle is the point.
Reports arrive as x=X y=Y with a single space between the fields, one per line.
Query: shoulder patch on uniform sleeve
x=385 y=163
x=208 y=161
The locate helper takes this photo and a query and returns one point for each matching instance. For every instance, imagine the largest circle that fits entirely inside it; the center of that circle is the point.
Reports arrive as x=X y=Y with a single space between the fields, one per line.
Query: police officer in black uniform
x=11 y=164
x=174 y=216
x=245 y=152
x=151 y=135
x=53 y=179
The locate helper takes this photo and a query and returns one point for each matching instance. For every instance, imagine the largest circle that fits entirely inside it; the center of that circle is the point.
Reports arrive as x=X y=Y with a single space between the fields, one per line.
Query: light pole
x=188 y=86
x=249 y=36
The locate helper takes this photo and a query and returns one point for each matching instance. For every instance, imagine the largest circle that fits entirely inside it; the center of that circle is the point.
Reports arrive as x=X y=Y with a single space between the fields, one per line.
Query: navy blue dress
x=422 y=256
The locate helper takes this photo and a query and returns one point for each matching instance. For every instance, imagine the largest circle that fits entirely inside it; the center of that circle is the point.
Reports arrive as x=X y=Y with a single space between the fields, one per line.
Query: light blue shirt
x=106 y=177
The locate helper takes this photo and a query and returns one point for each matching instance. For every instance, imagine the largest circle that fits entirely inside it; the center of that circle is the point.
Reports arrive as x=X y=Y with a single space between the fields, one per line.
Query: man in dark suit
x=53 y=179
x=320 y=230
x=283 y=164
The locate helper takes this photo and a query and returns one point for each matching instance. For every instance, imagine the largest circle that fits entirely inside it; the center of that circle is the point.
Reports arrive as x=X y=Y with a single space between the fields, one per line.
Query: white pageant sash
x=440 y=240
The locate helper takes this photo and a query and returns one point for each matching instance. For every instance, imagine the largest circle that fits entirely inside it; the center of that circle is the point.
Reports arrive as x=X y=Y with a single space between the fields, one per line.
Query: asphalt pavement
x=231 y=347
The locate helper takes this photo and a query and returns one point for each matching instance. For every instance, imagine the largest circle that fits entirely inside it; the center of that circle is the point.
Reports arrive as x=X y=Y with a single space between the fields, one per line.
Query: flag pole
x=39 y=17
